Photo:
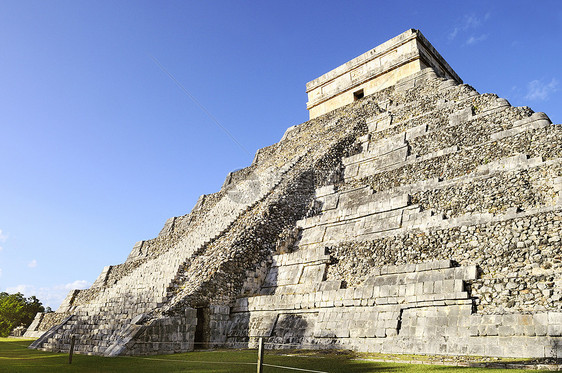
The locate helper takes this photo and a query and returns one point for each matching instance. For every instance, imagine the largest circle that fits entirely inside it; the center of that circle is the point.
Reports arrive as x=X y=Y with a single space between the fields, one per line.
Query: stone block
x=541 y=330
x=428 y=287
x=448 y=286
x=357 y=333
x=555 y=318
x=554 y=330
x=323 y=333
x=384 y=290
x=410 y=289
x=471 y=273
x=506 y=330
x=381 y=301
x=312 y=235
x=416 y=132
x=419 y=289
x=323 y=191
x=342 y=333
x=459 y=286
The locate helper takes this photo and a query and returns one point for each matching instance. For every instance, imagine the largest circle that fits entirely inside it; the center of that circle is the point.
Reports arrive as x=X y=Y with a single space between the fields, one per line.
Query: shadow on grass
x=15 y=357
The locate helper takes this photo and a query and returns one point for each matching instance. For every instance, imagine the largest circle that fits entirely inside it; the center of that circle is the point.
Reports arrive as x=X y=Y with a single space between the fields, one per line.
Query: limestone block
x=554 y=330
x=324 y=333
x=405 y=85
x=449 y=286
x=386 y=146
x=460 y=116
x=355 y=197
x=312 y=235
x=531 y=349
x=506 y=330
x=373 y=165
x=351 y=171
x=338 y=232
x=417 y=131
x=554 y=318
x=392 y=269
x=541 y=318
x=329 y=202
x=139 y=319
x=379 y=223
x=342 y=333
x=380 y=122
x=324 y=191
x=313 y=273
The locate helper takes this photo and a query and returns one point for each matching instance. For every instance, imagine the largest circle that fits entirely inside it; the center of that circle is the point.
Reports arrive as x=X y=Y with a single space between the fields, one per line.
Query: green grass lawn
x=15 y=357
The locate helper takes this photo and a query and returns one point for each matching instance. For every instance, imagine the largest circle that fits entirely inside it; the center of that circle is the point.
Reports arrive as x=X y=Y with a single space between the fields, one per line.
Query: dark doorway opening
x=202 y=328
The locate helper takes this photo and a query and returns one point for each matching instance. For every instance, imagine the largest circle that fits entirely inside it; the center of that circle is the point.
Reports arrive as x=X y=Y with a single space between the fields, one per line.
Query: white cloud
x=453 y=34
x=537 y=90
x=78 y=284
x=18 y=289
x=50 y=296
x=0 y=272
x=476 y=39
x=3 y=237
x=469 y=22
x=32 y=264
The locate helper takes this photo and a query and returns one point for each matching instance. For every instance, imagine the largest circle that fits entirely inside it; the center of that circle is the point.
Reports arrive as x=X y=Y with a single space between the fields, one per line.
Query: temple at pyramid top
x=374 y=70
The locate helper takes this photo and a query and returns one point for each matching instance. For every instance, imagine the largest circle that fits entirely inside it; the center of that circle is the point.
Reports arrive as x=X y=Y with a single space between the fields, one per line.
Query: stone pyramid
x=411 y=214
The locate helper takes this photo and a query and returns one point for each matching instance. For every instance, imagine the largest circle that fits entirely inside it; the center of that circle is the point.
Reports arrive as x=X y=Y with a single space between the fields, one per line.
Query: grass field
x=15 y=357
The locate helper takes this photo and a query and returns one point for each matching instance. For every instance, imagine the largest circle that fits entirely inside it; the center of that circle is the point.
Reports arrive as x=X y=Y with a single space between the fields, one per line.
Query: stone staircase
x=180 y=278
x=108 y=318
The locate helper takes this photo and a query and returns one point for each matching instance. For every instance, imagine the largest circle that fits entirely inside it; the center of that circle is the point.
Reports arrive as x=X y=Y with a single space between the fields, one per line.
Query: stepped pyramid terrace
x=410 y=214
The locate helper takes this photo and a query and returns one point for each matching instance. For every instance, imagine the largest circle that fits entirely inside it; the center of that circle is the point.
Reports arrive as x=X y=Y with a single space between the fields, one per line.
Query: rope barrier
x=295 y=344
x=291 y=368
x=226 y=362
x=191 y=361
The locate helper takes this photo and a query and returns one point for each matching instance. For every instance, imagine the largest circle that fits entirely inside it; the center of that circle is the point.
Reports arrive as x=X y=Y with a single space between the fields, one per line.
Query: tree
x=16 y=310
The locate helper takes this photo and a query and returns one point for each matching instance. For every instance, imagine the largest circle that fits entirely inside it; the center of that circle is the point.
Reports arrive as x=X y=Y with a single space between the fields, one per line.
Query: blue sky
x=99 y=146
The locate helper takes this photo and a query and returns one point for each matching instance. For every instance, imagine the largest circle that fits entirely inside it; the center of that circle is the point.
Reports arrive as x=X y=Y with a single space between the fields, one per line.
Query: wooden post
x=71 y=350
x=260 y=356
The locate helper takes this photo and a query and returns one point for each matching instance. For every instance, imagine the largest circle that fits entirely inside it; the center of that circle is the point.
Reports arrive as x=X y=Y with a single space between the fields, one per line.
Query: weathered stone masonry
x=421 y=218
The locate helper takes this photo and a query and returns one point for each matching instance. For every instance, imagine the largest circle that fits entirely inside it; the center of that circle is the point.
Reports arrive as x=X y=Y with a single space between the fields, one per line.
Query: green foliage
x=16 y=310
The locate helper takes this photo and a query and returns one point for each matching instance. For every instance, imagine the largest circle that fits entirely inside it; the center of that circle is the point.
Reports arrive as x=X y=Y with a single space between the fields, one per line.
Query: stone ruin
x=410 y=214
